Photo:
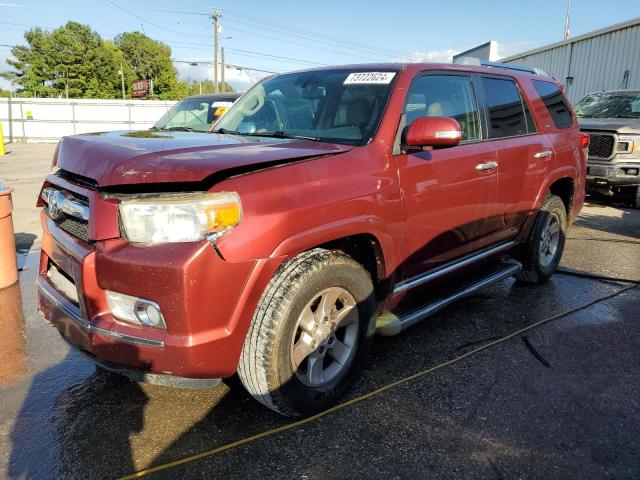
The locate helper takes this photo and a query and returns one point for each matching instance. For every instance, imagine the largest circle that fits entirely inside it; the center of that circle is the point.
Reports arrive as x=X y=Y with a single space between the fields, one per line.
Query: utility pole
x=566 y=20
x=121 y=72
x=217 y=15
x=222 y=69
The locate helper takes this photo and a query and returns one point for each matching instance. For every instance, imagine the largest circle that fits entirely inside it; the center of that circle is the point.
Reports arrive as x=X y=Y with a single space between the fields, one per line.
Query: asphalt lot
x=557 y=401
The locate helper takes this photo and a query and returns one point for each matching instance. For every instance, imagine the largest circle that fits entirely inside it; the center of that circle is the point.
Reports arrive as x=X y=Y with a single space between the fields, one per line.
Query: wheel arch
x=371 y=247
x=564 y=188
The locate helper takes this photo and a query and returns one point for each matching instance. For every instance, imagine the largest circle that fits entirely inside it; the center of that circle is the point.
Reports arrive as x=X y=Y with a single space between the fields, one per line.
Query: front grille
x=601 y=146
x=68 y=211
x=75 y=226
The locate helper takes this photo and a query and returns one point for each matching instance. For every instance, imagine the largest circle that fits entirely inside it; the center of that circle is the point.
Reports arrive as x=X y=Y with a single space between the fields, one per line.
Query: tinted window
x=445 y=96
x=554 y=101
x=508 y=114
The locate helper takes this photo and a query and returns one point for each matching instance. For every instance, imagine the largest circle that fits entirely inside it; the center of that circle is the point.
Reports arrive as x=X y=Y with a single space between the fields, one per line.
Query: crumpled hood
x=617 y=125
x=124 y=158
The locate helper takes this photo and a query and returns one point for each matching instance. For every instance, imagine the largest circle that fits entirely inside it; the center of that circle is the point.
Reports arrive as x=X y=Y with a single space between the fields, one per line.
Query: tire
x=543 y=250
x=279 y=333
x=636 y=202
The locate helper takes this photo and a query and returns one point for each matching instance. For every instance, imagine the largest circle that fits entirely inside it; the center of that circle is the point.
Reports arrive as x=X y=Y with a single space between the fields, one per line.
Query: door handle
x=542 y=154
x=486 y=166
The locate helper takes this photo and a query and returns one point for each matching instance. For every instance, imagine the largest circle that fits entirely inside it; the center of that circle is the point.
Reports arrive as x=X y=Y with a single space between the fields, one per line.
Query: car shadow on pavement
x=615 y=219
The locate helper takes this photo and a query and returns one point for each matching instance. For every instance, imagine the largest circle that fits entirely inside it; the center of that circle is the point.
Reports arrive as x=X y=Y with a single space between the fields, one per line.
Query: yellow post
x=2 y=149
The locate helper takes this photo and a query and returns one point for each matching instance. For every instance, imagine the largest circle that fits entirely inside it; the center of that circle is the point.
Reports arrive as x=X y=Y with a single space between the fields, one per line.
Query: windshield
x=195 y=114
x=338 y=106
x=603 y=105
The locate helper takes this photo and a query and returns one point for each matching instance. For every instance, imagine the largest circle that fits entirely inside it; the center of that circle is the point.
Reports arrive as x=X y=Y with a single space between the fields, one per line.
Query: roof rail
x=507 y=66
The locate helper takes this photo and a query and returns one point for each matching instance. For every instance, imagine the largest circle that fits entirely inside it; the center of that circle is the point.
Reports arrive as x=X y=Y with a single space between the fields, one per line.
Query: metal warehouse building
x=607 y=59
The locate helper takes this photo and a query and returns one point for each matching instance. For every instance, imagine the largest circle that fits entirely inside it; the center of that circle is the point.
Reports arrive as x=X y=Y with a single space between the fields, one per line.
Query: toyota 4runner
x=327 y=205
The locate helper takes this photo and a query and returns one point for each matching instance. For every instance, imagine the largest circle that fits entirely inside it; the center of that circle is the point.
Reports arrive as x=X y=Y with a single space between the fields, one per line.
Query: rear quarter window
x=554 y=101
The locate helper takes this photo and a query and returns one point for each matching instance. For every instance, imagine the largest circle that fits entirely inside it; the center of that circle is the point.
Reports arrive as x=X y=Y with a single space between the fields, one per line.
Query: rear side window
x=445 y=96
x=554 y=101
x=509 y=115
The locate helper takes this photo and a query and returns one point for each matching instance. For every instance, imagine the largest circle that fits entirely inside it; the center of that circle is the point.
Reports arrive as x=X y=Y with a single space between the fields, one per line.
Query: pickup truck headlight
x=179 y=217
x=628 y=147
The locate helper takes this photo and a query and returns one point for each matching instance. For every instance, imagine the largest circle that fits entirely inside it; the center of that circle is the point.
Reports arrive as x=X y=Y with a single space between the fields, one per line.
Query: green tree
x=151 y=60
x=105 y=80
x=70 y=61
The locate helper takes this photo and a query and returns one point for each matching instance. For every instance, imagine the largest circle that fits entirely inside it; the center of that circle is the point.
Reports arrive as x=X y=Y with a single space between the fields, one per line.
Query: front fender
x=335 y=230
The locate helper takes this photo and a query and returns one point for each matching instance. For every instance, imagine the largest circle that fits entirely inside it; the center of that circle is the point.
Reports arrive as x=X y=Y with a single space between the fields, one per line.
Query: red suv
x=323 y=206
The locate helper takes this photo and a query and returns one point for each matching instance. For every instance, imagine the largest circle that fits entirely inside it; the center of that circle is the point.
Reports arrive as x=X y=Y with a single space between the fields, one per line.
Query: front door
x=449 y=194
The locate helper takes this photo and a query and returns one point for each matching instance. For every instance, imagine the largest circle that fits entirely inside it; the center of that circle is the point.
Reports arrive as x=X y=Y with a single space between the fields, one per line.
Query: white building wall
x=596 y=61
x=49 y=119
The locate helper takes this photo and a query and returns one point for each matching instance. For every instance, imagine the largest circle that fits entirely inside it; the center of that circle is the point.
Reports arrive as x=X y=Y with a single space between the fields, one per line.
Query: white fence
x=48 y=119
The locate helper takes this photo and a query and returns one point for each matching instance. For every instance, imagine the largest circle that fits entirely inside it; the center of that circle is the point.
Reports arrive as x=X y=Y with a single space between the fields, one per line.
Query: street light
x=121 y=73
x=222 y=61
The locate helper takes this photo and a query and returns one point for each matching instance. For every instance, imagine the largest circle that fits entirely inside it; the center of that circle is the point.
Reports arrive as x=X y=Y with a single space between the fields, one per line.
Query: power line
x=332 y=43
x=150 y=22
x=274 y=56
x=293 y=31
x=291 y=42
x=238 y=67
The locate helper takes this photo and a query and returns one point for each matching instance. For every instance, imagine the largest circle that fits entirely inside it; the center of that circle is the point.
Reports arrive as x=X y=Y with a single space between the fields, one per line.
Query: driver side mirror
x=432 y=132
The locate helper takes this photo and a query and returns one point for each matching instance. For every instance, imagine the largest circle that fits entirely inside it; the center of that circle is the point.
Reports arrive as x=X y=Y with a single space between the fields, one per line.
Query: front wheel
x=543 y=250
x=310 y=333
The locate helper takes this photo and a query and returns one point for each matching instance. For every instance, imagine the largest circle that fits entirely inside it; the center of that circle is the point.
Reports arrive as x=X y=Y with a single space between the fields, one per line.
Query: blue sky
x=314 y=33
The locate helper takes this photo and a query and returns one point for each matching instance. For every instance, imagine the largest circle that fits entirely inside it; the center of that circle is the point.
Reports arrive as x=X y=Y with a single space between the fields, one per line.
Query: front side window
x=609 y=105
x=508 y=114
x=445 y=96
x=339 y=106
x=554 y=101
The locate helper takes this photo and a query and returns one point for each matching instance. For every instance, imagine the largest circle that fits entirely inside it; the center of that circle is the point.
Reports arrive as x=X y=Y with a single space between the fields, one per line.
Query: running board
x=389 y=324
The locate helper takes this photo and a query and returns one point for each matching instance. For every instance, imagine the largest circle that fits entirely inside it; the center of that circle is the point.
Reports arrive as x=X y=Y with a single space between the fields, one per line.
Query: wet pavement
x=558 y=401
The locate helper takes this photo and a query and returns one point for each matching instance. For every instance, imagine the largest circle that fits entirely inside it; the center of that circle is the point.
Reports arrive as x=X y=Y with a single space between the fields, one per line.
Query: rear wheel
x=310 y=334
x=543 y=250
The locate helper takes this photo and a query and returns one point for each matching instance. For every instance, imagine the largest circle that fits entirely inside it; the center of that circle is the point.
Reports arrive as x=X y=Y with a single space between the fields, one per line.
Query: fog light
x=135 y=310
x=148 y=314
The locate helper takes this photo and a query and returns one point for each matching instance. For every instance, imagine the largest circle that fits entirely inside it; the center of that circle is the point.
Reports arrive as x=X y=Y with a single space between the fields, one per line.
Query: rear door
x=524 y=156
x=449 y=194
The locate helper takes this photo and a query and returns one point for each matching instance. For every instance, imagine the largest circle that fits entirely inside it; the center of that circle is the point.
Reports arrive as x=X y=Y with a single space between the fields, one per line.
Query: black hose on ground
x=593 y=276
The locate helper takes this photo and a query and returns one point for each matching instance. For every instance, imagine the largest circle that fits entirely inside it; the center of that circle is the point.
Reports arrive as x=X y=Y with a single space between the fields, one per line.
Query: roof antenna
x=566 y=20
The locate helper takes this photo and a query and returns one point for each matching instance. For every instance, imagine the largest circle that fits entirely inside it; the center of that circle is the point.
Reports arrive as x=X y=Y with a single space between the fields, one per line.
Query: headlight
x=628 y=146
x=180 y=217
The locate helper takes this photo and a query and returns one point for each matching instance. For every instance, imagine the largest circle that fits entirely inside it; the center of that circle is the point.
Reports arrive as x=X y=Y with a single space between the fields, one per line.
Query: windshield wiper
x=276 y=134
x=179 y=129
x=281 y=134
x=224 y=131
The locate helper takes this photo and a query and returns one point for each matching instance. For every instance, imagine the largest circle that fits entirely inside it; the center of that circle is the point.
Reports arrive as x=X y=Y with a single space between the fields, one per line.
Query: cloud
x=446 y=56
x=239 y=79
x=434 y=56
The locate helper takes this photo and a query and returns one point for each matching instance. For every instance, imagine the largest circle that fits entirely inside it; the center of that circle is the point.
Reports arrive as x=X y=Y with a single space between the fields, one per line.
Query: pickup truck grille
x=601 y=146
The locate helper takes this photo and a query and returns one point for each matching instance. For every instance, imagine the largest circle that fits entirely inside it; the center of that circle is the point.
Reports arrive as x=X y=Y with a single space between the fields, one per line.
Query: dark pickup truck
x=612 y=120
